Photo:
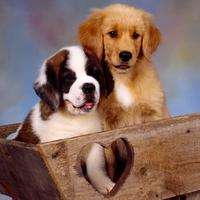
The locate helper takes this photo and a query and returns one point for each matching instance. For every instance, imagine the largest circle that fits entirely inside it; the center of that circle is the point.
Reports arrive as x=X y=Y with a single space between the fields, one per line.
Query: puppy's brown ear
x=89 y=33
x=47 y=84
x=151 y=38
x=108 y=78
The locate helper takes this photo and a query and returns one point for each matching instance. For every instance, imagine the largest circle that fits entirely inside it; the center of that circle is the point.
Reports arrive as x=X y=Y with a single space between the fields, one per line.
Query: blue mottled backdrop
x=32 y=30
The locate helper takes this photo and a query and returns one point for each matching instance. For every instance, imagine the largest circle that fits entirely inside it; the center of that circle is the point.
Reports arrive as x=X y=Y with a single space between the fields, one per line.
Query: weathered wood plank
x=166 y=163
x=166 y=160
x=24 y=172
x=8 y=129
x=56 y=157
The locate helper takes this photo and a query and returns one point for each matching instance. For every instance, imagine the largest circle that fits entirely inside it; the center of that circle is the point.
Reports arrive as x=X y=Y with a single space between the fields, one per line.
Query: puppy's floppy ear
x=151 y=38
x=47 y=85
x=89 y=33
x=108 y=78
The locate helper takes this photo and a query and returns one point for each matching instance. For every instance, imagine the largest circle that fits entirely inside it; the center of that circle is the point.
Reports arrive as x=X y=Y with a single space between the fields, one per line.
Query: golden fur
x=147 y=100
x=137 y=95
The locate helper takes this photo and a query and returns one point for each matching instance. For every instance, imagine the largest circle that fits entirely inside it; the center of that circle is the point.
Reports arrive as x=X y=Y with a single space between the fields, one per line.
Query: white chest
x=123 y=94
x=61 y=126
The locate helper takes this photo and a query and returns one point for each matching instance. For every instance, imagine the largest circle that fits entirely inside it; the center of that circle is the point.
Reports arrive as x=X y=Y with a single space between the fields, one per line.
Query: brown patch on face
x=99 y=72
x=26 y=133
x=50 y=92
x=57 y=60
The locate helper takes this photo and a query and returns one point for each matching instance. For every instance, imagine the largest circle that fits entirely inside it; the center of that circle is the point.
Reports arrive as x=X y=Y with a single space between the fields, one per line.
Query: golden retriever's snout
x=125 y=56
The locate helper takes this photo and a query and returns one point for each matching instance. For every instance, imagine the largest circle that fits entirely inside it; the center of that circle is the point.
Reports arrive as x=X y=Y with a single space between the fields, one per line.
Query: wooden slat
x=166 y=160
x=8 y=129
x=56 y=157
x=24 y=172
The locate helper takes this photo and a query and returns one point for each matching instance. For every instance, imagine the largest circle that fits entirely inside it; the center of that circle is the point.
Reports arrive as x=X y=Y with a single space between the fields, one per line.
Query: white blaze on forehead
x=76 y=60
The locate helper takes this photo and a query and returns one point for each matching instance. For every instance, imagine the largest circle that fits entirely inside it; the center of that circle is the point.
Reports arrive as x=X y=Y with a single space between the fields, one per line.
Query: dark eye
x=135 y=35
x=69 y=77
x=113 y=34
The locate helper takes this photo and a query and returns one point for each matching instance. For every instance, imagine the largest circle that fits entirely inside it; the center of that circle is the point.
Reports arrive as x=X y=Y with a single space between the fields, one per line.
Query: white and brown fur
x=69 y=86
x=123 y=38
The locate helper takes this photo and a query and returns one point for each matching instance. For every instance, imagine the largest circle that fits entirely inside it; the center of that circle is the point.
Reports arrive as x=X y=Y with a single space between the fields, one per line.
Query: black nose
x=125 y=56
x=88 y=88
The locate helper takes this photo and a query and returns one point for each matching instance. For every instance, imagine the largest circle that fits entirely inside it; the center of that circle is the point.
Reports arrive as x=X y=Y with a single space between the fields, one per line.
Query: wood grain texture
x=8 y=129
x=23 y=171
x=166 y=162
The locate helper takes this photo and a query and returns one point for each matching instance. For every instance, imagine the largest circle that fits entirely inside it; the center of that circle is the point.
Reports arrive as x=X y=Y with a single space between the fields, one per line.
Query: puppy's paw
x=106 y=188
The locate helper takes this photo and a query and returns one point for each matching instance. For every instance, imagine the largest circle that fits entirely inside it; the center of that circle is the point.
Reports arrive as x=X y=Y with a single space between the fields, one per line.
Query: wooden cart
x=164 y=163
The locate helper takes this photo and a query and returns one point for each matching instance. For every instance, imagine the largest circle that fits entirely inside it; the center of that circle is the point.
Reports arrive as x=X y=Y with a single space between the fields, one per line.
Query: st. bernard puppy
x=69 y=86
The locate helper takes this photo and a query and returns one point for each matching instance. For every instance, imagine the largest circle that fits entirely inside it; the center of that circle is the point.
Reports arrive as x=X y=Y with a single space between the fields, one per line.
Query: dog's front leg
x=96 y=170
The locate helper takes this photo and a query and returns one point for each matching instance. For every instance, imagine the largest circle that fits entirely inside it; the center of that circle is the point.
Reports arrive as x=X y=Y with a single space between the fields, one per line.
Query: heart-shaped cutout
x=106 y=168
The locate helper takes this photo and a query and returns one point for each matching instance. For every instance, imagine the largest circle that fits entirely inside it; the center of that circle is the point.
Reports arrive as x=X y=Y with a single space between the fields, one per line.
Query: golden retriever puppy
x=123 y=38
